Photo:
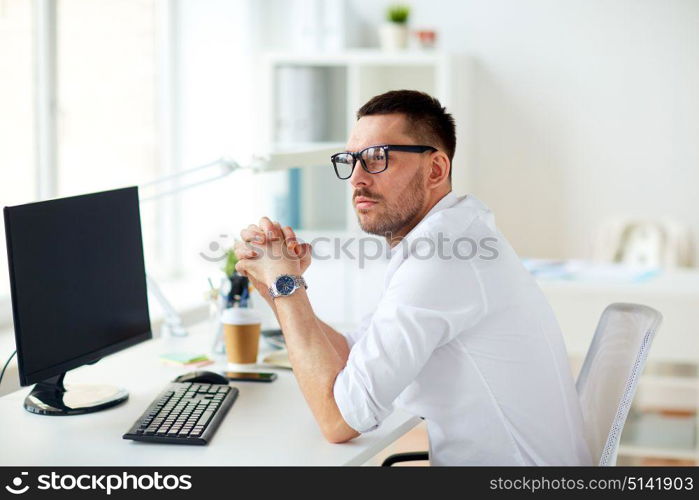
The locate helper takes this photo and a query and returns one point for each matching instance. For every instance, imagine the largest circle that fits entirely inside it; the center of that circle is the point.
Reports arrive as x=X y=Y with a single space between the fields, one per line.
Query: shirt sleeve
x=353 y=336
x=426 y=305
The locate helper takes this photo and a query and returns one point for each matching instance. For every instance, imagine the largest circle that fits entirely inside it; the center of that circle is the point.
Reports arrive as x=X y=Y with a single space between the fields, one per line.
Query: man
x=464 y=339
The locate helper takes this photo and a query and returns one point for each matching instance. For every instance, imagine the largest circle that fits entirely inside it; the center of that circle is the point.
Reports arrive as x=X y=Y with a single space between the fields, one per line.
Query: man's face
x=390 y=200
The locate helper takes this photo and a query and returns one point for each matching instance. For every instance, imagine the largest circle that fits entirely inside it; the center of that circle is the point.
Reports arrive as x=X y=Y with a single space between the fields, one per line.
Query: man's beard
x=394 y=217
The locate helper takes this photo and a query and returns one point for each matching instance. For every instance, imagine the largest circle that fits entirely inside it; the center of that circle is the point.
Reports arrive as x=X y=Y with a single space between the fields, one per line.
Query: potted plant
x=393 y=33
x=231 y=261
x=236 y=287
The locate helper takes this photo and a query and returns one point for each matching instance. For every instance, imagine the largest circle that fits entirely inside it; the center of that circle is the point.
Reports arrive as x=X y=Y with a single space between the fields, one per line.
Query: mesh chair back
x=610 y=373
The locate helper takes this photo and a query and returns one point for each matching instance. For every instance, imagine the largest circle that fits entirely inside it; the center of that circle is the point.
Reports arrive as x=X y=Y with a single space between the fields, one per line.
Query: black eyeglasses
x=374 y=159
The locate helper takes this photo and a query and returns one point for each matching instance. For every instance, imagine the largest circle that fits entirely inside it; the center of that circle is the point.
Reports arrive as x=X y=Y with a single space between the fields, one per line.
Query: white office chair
x=607 y=380
x=610 y=373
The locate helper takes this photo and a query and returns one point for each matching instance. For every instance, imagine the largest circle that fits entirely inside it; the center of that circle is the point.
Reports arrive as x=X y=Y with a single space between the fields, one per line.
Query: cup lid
x=239 y=316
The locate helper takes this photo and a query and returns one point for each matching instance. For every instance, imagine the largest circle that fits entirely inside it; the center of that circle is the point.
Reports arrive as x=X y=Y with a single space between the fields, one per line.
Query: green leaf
x=398 y=14
x=231 y=261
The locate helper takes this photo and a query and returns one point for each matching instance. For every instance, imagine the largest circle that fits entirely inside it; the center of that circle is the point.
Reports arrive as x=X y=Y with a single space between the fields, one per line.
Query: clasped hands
x=267 y=250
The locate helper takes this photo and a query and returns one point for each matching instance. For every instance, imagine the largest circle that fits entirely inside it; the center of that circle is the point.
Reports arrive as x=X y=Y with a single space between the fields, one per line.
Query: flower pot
x=393 y=36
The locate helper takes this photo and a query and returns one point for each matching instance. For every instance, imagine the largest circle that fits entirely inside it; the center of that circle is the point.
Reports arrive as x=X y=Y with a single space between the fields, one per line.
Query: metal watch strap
x=298 y=282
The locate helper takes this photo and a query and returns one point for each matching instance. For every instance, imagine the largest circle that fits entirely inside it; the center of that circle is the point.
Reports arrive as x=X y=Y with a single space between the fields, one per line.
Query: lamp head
x=283 y=160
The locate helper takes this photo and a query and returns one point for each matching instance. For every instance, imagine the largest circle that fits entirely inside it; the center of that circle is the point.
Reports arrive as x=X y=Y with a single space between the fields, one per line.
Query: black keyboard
x=184 y=413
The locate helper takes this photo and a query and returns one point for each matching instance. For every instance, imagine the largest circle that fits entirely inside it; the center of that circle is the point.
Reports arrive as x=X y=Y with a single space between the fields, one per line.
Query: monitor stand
x=50 y=397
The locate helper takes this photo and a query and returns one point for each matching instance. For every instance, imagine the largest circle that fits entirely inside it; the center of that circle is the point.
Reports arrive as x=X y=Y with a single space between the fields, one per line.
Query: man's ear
x=439 y=169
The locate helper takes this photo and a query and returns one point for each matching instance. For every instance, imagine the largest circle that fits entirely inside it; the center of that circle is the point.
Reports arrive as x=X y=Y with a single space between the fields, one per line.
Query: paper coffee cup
x=241 y=333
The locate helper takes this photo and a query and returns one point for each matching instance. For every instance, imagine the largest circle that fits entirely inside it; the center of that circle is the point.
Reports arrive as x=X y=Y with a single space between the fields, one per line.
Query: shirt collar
x=446 y=201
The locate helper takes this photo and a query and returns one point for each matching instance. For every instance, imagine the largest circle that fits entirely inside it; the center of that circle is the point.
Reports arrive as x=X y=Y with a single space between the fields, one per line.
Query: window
x=17 y=146
x=107 y=62
x=107 y=109
x=106 y=92
x=141 y=88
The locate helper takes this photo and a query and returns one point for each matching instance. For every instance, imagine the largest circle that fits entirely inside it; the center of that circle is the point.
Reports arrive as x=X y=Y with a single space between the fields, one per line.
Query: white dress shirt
x=469 y=344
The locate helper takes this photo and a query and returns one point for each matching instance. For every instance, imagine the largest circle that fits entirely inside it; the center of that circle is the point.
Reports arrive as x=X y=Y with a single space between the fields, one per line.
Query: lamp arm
x=228 y=166
x=172 y=322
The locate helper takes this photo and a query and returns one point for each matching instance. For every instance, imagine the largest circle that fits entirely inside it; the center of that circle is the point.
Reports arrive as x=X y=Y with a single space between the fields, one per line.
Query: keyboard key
x=205 y=417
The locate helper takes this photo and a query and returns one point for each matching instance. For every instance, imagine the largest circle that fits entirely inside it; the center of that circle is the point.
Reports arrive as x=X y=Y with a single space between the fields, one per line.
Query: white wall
x=583 y=109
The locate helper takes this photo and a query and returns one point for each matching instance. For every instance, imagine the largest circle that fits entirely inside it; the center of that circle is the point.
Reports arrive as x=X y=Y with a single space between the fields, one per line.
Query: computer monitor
x=78 y=286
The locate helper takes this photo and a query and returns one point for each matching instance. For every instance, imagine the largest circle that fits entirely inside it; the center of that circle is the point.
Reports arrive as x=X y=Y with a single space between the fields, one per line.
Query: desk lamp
x=213 y=171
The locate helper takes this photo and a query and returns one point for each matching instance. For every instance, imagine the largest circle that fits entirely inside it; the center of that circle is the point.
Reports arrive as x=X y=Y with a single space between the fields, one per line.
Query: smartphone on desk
x=251 y=376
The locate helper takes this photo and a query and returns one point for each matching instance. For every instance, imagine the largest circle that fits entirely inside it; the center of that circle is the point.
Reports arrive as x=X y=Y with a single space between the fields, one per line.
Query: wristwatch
x=286 y=284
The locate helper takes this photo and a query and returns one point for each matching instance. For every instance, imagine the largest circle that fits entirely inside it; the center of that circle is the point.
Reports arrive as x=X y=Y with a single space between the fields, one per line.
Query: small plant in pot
x=236 y=289
x=393 y=33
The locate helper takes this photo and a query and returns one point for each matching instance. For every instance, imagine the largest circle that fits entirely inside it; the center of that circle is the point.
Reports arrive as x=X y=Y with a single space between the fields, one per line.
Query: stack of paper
x=186 y=360
x=588 y=271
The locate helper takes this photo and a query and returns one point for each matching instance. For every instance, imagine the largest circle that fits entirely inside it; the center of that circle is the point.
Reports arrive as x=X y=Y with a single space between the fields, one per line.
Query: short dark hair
x=428 y=119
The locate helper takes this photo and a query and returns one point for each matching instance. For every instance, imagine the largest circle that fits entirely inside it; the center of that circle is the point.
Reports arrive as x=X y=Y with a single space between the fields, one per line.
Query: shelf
x=660 y=435
x=646 y=451
x=358 y=57
x=670 y=382
x=291 y=147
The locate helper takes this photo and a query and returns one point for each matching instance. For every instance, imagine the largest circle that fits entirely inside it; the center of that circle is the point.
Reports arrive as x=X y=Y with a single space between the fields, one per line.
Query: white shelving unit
x=668 y=404
x=341 y=82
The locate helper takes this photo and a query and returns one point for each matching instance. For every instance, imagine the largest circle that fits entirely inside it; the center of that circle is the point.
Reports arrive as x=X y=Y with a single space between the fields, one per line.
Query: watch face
x=285 y=285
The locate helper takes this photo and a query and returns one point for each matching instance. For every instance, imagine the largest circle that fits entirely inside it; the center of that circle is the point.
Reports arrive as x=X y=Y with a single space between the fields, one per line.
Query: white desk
x=269 y=424
x=578 y=306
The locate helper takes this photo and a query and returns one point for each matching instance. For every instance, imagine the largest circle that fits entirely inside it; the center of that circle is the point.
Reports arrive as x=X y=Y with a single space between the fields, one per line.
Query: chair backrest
x=609 y=375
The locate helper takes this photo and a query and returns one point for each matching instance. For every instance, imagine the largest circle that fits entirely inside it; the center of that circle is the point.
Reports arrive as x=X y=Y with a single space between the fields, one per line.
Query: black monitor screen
x=78 y=280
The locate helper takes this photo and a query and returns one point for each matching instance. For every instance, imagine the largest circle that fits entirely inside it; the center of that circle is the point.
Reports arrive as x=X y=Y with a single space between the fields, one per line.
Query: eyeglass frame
x=386 y=147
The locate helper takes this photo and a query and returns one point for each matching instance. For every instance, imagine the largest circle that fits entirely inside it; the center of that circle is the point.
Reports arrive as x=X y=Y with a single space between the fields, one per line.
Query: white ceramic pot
x=393 y=36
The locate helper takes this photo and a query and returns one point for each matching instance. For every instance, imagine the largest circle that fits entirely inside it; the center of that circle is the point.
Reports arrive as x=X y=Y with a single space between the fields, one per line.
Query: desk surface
x=269 y=424
x=579 y=304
